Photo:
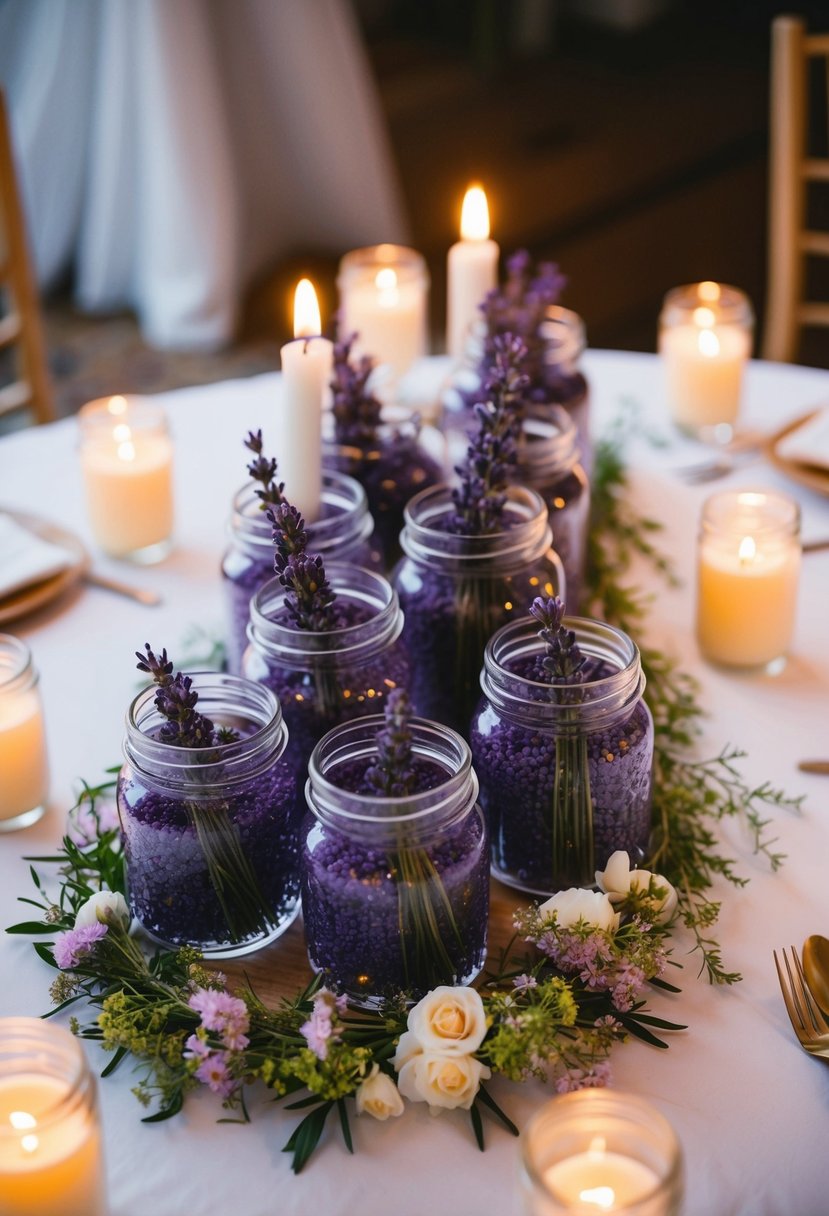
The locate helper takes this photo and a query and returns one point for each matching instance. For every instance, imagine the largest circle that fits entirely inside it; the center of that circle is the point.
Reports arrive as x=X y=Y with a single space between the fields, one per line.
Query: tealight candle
x=472 y=270
x=50 y=1142
x=384 y=293
x=748 y=567
x=306 y=370
x=598 y=1150
x=127 y=461
x=705 y=339
x=24 y=772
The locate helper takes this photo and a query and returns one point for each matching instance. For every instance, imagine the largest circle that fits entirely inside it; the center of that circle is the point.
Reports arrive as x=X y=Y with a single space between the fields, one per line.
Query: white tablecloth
x=748 y=1105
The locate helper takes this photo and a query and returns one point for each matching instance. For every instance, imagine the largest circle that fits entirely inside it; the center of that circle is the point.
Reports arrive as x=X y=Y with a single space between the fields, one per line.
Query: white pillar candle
x=127 y=464
x=50 y=1143
x=705 y=340
x=747 y=576
x=24 y=772
x=306 y=371
x=472 y=271
x=383 y=300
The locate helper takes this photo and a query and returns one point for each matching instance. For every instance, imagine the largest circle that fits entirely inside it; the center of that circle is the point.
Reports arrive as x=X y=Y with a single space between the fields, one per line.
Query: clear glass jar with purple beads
x=323 y=679
x=210 y=838
x=395 y=890
x=456 y=590
x=344 y=532
x=565 y=770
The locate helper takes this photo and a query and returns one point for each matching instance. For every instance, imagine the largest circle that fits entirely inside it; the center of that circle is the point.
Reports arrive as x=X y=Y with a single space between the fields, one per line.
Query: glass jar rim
x=407 y=262
x=16 y=664
x=252 y=527
x=729 y=305
x=97 y=419
x=34 y=1045
x=549 y=442
x=526 y=540
x=759 y=513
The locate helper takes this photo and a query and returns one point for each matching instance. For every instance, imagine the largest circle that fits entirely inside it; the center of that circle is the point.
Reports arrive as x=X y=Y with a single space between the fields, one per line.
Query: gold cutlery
x=141 y=594
x=814 y=766
x=808 y=1022
x=816 y=968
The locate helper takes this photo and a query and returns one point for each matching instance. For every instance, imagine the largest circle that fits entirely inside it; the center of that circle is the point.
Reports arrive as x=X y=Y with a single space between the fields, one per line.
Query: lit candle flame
x=126 y=450
x=20 y=1120
x=475 y=215
x=601 y=1197
x=117 y=405
x=708 y=291
x=385 y=279
x=307 y=321
x=121 y=432
x=709 y=343
x=704 y=317
x=747 y=551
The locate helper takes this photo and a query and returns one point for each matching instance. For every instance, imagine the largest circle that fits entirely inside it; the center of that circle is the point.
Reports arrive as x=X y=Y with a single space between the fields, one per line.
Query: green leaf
x=486 y=1097
x=31 y=926
x=346 y=1130
x=477 y=1125
x=120 y=1052
x=42 y=949
x=307 y=1135
x=172 y=1108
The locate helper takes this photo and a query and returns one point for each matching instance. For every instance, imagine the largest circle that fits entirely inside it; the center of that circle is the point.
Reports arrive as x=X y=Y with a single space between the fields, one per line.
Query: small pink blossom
x=73 y=945
x=214 y=1072
x=522 y=983
x=320 y=1029
x=224 y=1014
x=196 y=1048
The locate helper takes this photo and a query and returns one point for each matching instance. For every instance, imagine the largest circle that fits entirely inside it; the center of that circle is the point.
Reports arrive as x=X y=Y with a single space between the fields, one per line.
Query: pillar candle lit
x=472 y=270
x=50 y=1143
x=306 y=371
x=383 y=299
x=25 y=773
x=127 y=461
x=705 y=340
x=748 y=567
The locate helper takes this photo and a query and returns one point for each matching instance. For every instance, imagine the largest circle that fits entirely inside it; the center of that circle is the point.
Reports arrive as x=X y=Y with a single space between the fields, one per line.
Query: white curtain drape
x=169 y=150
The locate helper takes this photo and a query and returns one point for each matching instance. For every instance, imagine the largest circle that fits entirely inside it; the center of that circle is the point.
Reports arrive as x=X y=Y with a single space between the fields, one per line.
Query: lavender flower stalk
x=310 y=596
x=519 y=308
x=263 y=470
x=356 y=410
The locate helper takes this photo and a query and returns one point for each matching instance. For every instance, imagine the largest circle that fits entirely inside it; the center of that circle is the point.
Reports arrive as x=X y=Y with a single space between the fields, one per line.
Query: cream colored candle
x=126 y=460
x=383 y=300
x=50 y=1144
x=599 y=1181
x=747 y=575
x=24 y=771
x=472 y=271
x=306 y=371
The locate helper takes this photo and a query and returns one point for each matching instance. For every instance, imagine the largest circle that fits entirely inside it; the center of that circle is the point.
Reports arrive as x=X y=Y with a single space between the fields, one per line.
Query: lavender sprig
x=175 y=700
x=356 y=410
x=263 y=470
x=564 y=662
x=392 y=774
x=520 y=307
x=310 y=596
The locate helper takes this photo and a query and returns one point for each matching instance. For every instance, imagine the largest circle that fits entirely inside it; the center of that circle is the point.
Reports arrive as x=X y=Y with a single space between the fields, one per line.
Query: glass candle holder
x=24 y=771
x=50 y=1138
x=384 y=295
x=748 y=563
x=126 y=457
x=599 y=1150
x=705 y=337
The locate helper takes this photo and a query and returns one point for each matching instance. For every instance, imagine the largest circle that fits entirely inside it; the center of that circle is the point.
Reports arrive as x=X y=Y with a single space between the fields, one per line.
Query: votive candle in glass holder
x=126 y=459
x=50 y=1138
x=705 y=337
x=384 y=295
x=24 y=771
x=748 y=563
x=599 y=1150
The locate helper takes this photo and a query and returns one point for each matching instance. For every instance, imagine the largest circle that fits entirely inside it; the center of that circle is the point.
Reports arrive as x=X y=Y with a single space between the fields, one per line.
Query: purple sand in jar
x=209 y=834
x=521 y=741
x=395 y=891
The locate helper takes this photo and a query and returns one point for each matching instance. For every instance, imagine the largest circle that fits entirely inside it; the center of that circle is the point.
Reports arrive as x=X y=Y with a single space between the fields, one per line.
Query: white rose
x=575 y=904
x=618 y=880
x=408 y=1045
x=615 y=877
x=107 y=907
x=444 y=1081
x=449 y=1020
x=378 y=1096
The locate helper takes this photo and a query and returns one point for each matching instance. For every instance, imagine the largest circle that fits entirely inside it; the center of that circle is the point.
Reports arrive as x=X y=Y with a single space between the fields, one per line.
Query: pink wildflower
x=320 y=1029
x=628 y=986
x=196 y=1048
x=224 y=1014
x=522 y=983
x=214 y=1072
x=73 y=945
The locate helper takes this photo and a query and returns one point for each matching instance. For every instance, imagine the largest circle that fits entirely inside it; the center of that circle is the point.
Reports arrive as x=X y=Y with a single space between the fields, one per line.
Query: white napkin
x=809 y=443
x=26 y=558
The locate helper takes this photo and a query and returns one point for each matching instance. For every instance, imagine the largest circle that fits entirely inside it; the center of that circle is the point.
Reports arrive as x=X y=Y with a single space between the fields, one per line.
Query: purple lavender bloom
x=356 y=410
x=74 y=945
x=392 y=775
x=520 y=307
x=310 y=596
x=176 y=700
x=564 y=662
x=263 y=470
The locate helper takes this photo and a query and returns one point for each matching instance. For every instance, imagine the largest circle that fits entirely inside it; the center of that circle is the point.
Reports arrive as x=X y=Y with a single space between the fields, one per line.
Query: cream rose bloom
x=444 y=1081
x=577 y=904
x=378 y=1096
x=448 y=1020
x=104 y=906
x=618 y=880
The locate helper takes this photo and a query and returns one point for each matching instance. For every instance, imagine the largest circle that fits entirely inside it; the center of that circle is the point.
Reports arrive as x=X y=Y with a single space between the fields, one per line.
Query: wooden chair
x=20 y=326
x=791 y=170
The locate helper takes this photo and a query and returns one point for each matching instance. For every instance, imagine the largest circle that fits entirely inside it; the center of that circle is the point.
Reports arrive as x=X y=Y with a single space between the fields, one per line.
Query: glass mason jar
x=50 y=1134
x=343 y=532
x=24 y=784
x=395 y=890
x=548 y=461
x=565 y=770
x=327 y=678
x=210 y=838
x=600 y=1150
x=384 y=299
x=391 y=470
x=455 y=591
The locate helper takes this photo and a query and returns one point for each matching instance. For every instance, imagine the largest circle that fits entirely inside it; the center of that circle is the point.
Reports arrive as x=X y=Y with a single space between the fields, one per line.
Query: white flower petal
x=615 y=878
x=108 y=907
x=449 y=1020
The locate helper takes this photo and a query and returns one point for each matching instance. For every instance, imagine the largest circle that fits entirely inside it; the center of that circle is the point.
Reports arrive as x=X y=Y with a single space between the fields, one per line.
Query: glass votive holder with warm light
x=50 y=1137
x=24 y=771
x=126 y=457
x=599 y=1150
x=384 y=296
x=705 y=338
x=748 y=564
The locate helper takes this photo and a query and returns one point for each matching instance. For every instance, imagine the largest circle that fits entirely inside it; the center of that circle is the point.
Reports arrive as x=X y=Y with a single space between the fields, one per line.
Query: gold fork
x=810 y=1025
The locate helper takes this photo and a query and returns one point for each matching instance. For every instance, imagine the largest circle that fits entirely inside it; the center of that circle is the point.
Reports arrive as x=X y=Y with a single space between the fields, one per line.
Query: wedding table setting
x=546 y=903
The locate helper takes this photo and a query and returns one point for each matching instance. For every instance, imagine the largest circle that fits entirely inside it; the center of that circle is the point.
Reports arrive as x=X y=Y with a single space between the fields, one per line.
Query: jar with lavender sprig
x=380 y=451
x=394 y=858
x=344 y=530
x=206 y=803
x=562 y=742
x=326 y=639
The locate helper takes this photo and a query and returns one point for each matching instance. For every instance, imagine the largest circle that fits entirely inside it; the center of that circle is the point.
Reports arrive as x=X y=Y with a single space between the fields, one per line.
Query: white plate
x=27 y=599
